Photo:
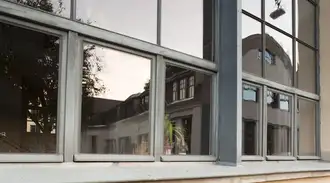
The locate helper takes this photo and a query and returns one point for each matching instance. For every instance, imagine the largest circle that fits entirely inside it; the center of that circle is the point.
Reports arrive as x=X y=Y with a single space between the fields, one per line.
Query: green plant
x=170 y=131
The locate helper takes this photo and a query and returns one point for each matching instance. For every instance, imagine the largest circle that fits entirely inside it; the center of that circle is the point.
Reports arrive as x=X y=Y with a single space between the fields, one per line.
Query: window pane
x=187 y=26
x=58 y=7
x=251 y=44
x=280 y=15
x=251 y=122
x=279 y=67
x=305 y=21
x=187 y=121
x=29 y=63
x=306 y=127
x=306 y=68
x=253 y=7
x=114 y=85
x=279 y=125
x=133 y=18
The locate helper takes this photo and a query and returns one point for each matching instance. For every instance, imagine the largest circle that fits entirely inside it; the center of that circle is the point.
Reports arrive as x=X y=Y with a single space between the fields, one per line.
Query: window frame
x=87 y=157
x=59 y=155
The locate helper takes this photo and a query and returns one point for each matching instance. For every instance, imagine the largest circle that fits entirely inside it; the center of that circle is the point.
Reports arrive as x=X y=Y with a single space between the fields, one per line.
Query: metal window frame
x=161 y=113
x=259 y=156
x=45 y=157
x=87 y=157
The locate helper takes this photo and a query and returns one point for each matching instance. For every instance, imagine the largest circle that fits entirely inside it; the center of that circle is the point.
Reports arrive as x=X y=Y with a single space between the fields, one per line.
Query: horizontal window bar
x=309 y=158
x=188 y=158
x=278 y=86
x=112 y=157
x=280 y=158
x=31 y=158
x=253 y=158
x=63 y=23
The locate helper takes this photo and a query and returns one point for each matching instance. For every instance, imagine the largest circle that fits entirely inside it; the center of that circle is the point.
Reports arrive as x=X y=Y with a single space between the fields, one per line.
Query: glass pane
x=187 y=120
x=306 y=115
x=253 y=7
x=58 y=7
x=133 y=18
x=306 y=68
x=305 y=21
x=29 y=63
x=115 y=102
x=278 y=57
x=251 y=45
x=279 y=115
x=251 y=122
x=187 y=26
x=279 y=13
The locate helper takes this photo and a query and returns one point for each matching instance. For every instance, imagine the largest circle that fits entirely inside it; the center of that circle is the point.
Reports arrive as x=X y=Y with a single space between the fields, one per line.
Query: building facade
x=164 y=91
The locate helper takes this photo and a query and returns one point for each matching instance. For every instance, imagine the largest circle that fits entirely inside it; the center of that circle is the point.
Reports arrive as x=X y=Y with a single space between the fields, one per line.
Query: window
x=111 y=101
x=175 y=91
x=186 y=26
x=140 y=17
x=306 y=127
x=183 y=86
x=279 y=126
x=191 y=86
x=93 y=144
x=110 y=147
x=251 y=126
x=187 y=123
x=29 y=82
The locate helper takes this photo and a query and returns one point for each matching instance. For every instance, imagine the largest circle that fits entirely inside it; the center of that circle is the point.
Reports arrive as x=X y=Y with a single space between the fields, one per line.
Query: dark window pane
x=251 y=45
x=251 y=122
x=111 y=102
x=133 y=18
x=306 y=127
x=187 y=121
x=279 y=126
x=305 y=21
x=280 y=15
x=306 y=68
x=253 y=7
x=279 y=47
x=58 y=7
x=29 y=68
x=187 y=26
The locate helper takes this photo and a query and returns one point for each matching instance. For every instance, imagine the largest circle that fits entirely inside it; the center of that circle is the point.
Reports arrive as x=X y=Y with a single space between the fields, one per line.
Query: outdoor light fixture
x=279 y=11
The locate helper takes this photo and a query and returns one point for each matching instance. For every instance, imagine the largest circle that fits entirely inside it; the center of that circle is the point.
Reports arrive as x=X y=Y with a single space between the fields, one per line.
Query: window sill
x=119 y=172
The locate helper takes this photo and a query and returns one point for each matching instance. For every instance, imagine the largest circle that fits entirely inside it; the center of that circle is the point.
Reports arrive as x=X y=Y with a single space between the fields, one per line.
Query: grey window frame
x=86 y=157
x=44 y=157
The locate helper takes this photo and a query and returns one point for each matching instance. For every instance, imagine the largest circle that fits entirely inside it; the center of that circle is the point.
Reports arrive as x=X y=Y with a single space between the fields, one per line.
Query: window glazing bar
x=253 y=158
x=272 y=84
x=101 y=34
x=280 y=158
x=31 y=158
x=112 y=158
x=188 y=158
x=309 y=158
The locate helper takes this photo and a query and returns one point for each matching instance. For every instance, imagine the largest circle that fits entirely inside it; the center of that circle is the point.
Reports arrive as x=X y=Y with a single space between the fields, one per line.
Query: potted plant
x=178 y=133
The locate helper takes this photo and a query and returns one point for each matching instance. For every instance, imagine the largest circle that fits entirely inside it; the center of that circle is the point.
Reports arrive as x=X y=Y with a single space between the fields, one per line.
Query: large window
x=279 y=55
x=29 y=82
x=113 y=83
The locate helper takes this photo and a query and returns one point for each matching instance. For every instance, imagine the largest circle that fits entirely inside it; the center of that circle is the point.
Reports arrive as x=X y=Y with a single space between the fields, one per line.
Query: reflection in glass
x=306 y=68
x=251 y=45
x=253 y=7
x=133 y=18
x=282 y=21
x=251 y=121
x=187 y=120
x=305 y=21
x=279 y=124
x=29 y=69
x=58 y=7
x=115 y=102
x=187 y=26
x=279 y=47
x=306 y=115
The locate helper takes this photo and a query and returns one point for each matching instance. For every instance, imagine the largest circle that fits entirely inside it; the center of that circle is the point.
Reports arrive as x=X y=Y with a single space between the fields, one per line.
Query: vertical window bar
x=264 y=120
x=295 y=126
x=263 y=39
x=73 y=11
x=159 y=21
x=294 y=61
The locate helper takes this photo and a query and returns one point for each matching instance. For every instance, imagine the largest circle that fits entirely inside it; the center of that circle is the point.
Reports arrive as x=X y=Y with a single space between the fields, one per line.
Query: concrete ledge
x=123 y=172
